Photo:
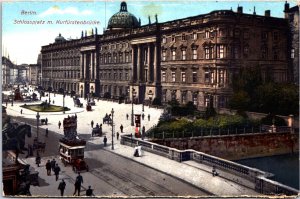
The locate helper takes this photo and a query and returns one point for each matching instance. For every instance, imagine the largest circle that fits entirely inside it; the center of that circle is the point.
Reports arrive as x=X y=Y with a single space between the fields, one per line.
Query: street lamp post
x=112 y=129
x=132 y=113
x=12 y=97
x=37 y=125
x=143 y=107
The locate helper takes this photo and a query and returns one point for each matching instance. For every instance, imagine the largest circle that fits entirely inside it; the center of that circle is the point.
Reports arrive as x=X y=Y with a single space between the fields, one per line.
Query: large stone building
x=190 y=59
x=292 y=14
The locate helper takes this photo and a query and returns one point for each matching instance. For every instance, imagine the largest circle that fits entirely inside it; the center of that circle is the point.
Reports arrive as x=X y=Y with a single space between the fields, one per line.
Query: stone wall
x=234 y=147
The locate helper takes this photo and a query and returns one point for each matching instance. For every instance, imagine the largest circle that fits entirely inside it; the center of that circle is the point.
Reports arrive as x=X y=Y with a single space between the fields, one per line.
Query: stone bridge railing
x=263 y=185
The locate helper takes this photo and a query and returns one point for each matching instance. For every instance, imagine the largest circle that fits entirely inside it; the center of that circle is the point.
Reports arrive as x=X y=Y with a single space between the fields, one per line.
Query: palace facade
x=191 y=59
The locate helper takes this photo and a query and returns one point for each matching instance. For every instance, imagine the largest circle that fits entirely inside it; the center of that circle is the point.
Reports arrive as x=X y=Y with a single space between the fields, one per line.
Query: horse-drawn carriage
x=37 y=145
x=97 y=131
x=77 y=102
x=107 y=120
x=72 y=152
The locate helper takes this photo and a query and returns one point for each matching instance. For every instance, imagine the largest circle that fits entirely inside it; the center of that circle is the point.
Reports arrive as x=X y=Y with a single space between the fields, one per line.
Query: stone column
x=95 y=66
x=92 y=66
x=155 y=63
x=139 y=63
x=84 y=65
x=149 y=63
x=81 y=65
x=133 y=73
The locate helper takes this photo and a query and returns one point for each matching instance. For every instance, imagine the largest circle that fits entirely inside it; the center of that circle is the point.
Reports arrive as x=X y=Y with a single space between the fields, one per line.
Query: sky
x=22 y=42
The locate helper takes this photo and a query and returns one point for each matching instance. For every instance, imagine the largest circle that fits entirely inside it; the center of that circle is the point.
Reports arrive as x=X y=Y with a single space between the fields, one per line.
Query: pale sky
x=23 y=41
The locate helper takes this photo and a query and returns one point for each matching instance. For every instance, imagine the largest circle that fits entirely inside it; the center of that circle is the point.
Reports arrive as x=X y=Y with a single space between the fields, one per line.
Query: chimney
x=267 y=13
x=254 y=12
x=240 y=9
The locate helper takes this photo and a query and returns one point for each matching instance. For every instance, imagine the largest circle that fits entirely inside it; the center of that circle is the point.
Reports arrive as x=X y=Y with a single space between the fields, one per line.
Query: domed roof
x=59 y=38
x=123 y=19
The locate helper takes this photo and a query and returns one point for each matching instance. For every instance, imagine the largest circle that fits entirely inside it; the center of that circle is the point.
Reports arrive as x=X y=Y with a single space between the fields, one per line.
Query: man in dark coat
x=121 y=128
x=53 y=162
x=61 y=187
x=56 y=171
x=48 y=168
x=77 y=184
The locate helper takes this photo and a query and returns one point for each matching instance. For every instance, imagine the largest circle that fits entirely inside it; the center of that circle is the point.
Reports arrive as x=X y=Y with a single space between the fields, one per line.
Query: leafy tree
x=239 y=101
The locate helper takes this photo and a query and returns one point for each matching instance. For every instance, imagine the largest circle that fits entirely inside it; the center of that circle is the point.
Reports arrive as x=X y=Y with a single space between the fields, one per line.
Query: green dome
x=59 y=38
x=123 y=19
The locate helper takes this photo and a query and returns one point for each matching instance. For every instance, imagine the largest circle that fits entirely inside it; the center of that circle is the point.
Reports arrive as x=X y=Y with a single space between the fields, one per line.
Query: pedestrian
x=75 y=116
x=61 y=187
x=6 y=103
x=53 y=102
x=21 y=111
x=77 y=184
x=148 y=117
x=118 y=135
x=105 y=140
x=121 y=128
x=143 y=132
x=47 y=132
x=53 y=162
x=48 y=168
x=127 y=116
x=89 y=191
x=59 y=124
x=143 y=115
x=38 y=160
x=56 y=171
x=46 y=121
x=92 y=123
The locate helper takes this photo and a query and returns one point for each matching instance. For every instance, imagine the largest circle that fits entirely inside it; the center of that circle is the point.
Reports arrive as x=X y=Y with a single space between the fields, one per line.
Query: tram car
x=72 y=153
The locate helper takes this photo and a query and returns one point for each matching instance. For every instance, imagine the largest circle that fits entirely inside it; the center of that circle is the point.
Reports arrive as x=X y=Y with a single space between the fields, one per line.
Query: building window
x=221 y=76
x=126 y=76
x=264 y=52
x=174 y=54
x=195 y=99
x=146 y=74
x=194 y=53
x=120 y=58
x=264 y=35
x=246 y=34
x=222 y=101
x=173 y=77
x=120 y=76
x=236 y=53
x=109 y=59
x=183 y=77
x=275 y=54
x=109 y=76
x=207 y=100
x=173 y=95
x=292 y=53
x=173 y=38
x=183 y=37
x=115 y=58
x=183 y=97
x=207 y=34
x=183 y=54
x=115 y=76
x=236 y=32
x=195 y=79
x=221 y=53
x=207 y=76
x=194 y=36
x=275 y=36
x=206 y=53
x=164 y=40
x=246 y=50
x=164 y=55
x=127 y=57
x=163 y=76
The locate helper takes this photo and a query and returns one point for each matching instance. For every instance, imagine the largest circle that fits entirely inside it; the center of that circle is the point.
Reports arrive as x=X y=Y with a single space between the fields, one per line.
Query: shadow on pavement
x=42 y=182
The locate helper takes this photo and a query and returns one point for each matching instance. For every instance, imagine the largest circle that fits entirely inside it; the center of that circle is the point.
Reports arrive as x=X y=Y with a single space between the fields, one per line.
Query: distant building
x=292 y=14
x=191 y=59
x=6 y=66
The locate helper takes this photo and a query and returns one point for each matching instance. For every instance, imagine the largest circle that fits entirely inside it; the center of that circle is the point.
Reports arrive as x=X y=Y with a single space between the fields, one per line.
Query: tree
x=239 y=101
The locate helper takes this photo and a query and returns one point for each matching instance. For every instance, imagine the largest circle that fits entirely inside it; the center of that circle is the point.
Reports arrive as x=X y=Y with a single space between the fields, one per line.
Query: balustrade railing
x=260 y=178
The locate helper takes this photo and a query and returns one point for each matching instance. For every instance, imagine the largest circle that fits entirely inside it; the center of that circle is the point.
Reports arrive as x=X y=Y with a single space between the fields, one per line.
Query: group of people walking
x=53 y=166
